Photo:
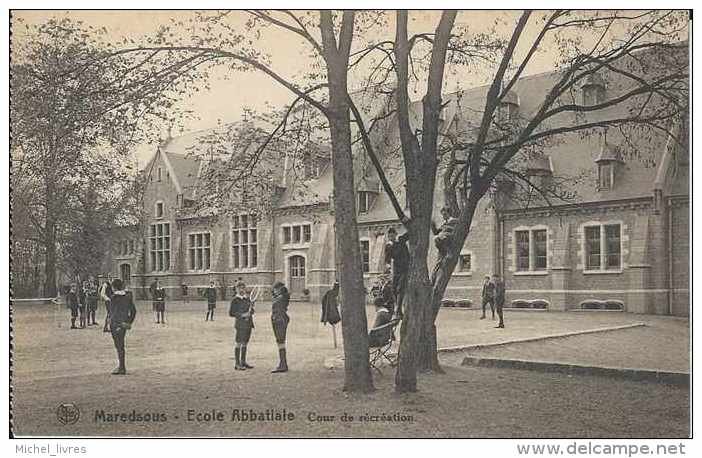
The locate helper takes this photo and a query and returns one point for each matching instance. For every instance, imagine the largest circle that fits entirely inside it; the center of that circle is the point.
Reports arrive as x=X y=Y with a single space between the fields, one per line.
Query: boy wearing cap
x=242 y=309
x=211 y=295
x=72 y=302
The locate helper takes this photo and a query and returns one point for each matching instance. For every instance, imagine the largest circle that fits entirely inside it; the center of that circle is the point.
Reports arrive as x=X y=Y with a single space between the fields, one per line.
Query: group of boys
x=493 y=293
x=82 y=299
x=397 y=256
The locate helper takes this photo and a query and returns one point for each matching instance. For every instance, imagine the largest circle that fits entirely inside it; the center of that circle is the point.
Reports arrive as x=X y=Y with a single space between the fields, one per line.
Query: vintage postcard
x=351 y=224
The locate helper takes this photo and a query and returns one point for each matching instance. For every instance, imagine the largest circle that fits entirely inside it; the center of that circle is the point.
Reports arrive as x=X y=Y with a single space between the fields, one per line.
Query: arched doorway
x=125 y=273
x=296 y=274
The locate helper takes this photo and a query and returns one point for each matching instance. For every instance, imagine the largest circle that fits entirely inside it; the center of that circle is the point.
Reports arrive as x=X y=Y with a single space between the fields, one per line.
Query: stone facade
x=624 y=246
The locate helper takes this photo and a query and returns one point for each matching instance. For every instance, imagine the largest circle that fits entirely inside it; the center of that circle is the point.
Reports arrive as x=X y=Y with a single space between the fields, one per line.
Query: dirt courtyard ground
x=181 y=372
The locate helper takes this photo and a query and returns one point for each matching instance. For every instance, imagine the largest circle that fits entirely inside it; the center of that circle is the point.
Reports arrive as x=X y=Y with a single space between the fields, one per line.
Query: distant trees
x=74 y=116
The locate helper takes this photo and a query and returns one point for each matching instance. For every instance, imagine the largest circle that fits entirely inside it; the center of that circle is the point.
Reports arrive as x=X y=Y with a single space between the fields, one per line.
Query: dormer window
x=593 y=90
x=367 y=191
x=540 y=171
x=365 y=200
x=508 y=110
x=607 y=165
x=605 y=174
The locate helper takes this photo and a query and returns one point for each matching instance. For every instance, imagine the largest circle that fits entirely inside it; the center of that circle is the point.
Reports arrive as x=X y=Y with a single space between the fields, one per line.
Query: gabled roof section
x=184 y=171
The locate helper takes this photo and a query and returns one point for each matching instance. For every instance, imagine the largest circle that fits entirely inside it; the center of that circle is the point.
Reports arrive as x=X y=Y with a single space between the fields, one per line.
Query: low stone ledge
x=644 y=375
x=537 y=338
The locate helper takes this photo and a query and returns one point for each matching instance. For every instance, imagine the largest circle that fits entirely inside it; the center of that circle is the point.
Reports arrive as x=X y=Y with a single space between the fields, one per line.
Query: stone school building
x=621 y=244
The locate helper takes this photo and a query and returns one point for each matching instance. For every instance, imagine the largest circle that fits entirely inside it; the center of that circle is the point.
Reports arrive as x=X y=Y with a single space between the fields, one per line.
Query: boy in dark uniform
x=443 y=237
x=382 y=317
x=397 y=254
x=72 y=303
x=279 y=321
x=383 y=290
x=211 y=295
x=91 y=293
x=488 y=296
x=330 y=306
x=159 y=303
x=242 y=309
x=121 y=312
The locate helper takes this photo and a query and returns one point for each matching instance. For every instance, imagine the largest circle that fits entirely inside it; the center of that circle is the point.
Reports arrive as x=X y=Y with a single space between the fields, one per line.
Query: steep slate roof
x=181 y=153
x=572 y=156
x=186 y=169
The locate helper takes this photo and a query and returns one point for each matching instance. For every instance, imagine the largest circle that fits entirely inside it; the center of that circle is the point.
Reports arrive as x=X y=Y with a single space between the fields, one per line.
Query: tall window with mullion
x=613 y=246
x=603 y=247
x=540 y=250
x=522 y=250
x=199 y=249
x=244 y=242
x=160 y=246
x=531 y=250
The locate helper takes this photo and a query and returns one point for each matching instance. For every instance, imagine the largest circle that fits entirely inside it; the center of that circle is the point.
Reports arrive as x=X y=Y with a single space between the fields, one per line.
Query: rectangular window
x=539 y=249
x=296 y=231
x=365 y=256
x=159 y=209
x=160 y=246
x=131 y=247
x=465 y=263
x=613 y=246
x=522 y=250
x=297 y=234
x=245 y=242
x=603 y=247
x=606 y=176
x=592 y=248
x=158 y=173
x=532 y=250
x=363 y=198
x=199 y=249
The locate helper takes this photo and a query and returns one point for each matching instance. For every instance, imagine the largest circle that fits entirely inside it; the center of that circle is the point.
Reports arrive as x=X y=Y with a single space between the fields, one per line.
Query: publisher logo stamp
x=67 y=413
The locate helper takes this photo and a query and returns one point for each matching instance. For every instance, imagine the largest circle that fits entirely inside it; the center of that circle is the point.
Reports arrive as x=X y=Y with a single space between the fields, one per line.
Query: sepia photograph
x=382 y=223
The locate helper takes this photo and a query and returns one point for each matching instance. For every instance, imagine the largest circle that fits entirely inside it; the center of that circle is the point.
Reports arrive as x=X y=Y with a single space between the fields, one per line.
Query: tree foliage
x=74 y=117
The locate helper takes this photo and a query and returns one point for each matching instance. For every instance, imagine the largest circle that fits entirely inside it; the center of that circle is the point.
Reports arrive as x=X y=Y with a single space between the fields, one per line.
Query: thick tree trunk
x=418 y=295
x=429 y=356
x=420 y=172
x=50 y=260
x=354 y=325
x=416 y=299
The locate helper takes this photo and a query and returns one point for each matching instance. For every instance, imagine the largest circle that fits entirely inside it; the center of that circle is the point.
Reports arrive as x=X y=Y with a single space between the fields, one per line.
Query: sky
x=226 y=99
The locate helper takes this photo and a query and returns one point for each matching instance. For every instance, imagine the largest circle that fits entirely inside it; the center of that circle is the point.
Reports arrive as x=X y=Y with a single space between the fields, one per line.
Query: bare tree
x=329 y=37
x=487 y=148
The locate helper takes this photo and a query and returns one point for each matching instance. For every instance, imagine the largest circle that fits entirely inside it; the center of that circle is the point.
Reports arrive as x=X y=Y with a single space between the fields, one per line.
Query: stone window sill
x=527 y=273
x=603 y=272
